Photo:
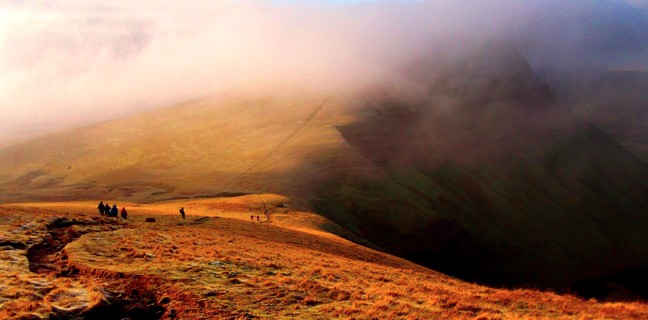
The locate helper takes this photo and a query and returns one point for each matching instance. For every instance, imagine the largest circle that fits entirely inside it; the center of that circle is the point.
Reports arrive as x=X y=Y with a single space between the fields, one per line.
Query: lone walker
x=182 y=213
x=266 y=212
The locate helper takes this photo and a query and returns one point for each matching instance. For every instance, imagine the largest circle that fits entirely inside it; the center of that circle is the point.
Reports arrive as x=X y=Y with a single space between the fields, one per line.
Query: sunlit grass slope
x=217 y=264
x=199 y=148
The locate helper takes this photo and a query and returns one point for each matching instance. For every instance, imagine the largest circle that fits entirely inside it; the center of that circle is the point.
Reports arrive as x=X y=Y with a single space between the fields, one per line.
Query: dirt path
x=122 y=299
x=277 y=146
x=43 y=257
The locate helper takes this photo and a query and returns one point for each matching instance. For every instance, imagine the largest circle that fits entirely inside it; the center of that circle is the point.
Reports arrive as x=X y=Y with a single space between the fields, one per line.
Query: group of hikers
x=106 y=211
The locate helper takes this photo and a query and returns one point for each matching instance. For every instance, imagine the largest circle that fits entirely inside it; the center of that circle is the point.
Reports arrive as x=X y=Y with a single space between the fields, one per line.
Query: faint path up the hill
x=294 y=133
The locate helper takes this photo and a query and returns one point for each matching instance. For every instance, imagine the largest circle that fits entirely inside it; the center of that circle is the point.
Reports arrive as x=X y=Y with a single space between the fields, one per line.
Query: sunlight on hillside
x=217 y=263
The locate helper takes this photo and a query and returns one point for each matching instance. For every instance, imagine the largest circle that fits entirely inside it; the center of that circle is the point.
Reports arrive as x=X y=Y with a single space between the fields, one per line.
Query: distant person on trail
x=114 y=211
x=265 y=212
x=182 y=213
x=258 y=218
x=101 y=208
x=252 y=217
x=124 y=214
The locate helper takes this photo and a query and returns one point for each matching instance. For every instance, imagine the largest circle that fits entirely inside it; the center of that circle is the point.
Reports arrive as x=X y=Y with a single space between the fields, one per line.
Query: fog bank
x=67 y=62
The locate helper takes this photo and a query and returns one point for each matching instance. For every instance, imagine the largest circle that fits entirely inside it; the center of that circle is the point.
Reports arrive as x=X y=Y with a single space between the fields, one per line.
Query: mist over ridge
x=68 y=63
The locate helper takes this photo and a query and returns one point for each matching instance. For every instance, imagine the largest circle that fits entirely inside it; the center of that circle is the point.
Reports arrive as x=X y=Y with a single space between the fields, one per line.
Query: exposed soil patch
x=13 y=244
x=64 y=223
x=134 y=305
x=44 y=256
x=200 y=220
x=47 y=257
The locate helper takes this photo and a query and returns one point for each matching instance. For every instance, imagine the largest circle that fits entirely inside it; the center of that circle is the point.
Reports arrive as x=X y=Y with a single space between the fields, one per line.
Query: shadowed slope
x=486 y=182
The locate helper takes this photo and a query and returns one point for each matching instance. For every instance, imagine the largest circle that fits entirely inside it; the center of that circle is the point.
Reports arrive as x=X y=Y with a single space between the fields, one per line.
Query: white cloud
x=78 y=61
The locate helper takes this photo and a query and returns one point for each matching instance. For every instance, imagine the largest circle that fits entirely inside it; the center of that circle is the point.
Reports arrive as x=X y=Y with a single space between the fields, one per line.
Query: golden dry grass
x=200 y=147
x=228 y=267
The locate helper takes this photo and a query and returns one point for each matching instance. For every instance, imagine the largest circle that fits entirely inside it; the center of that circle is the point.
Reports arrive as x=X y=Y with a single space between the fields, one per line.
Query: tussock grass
x=228 y=267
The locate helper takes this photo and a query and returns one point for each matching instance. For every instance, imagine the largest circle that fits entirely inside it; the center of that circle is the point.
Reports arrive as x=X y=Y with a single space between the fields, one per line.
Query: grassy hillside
x=199 y=148
x=469 y=167
x=491 y=184
x=217 y=264
x=562 y=211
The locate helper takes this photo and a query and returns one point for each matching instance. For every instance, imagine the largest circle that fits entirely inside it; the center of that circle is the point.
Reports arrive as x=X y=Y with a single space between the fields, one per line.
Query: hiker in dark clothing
x=107 y=210
x=252 y=217
x=114 y=212
x=258 y=218
x=101 y=208
x=182 y=213
x=124 y=214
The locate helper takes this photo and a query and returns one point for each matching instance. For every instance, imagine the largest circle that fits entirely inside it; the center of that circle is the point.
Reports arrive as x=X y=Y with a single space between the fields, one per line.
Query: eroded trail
x=117 y=299
x=45 y=257
x=135 y=304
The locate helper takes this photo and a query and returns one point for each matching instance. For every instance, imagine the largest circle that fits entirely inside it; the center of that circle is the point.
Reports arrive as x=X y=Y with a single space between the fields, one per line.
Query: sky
x=65 y=62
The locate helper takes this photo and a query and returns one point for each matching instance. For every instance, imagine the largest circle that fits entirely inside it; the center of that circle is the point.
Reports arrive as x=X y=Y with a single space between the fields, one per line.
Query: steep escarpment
x=486 y=177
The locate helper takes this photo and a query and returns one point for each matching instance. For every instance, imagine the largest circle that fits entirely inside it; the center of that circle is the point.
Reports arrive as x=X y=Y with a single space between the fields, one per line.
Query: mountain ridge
x=452 y=167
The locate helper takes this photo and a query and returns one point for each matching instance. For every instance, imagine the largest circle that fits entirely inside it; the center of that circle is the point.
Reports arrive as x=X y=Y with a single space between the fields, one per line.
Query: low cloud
x=73 y=62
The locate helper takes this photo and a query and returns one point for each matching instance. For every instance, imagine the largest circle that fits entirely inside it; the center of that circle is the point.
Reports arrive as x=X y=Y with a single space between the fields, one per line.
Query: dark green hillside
x=503 y=189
